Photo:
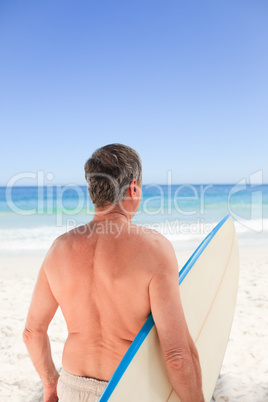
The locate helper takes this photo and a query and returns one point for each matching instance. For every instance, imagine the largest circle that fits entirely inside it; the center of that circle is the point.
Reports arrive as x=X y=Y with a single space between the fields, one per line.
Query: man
x=107 y=276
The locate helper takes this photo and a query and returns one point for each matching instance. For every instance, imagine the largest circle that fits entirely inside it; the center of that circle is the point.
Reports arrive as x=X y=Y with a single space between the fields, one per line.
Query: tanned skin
x=107 y=276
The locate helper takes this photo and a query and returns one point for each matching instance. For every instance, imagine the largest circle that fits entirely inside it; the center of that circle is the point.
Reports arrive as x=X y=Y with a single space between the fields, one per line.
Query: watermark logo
x=254 y=221
x=186 y=202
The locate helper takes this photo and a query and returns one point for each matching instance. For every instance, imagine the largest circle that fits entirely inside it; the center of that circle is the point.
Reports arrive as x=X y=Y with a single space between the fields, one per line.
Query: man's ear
x=133 y=188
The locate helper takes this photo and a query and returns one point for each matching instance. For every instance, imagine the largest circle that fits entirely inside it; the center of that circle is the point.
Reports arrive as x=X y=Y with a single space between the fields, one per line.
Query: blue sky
x=183 y=82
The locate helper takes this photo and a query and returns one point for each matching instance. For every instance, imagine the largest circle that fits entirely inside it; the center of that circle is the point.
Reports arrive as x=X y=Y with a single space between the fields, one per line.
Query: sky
x=184 y=83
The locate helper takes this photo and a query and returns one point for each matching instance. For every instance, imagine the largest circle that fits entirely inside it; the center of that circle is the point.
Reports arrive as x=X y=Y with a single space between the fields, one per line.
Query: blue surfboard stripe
x=149 y=323
x=188 y=265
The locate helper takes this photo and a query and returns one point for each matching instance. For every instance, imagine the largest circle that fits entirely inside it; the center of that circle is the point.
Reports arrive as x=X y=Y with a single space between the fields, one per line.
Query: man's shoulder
x=63 y=243
x=70 y=236
x=152 y=240
x=157 y=252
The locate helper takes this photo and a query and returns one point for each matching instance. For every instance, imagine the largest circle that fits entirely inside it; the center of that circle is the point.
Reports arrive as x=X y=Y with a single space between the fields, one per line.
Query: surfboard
x=208 y=286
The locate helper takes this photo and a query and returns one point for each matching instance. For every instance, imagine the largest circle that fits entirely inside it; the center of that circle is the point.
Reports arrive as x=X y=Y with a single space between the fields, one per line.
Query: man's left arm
x=42 y=309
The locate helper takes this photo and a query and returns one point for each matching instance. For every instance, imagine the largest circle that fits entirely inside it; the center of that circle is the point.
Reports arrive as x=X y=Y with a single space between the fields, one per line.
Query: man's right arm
x=180 y=354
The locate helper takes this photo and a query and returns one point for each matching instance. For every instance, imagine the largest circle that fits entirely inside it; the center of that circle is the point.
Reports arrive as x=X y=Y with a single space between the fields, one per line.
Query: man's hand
x=50 y=392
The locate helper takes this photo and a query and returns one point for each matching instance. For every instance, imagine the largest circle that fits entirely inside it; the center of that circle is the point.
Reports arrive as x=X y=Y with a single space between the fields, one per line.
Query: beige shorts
x=72 y=388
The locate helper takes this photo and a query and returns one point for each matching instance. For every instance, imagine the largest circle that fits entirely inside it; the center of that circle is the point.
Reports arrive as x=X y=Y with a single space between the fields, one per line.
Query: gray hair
x=109 y=172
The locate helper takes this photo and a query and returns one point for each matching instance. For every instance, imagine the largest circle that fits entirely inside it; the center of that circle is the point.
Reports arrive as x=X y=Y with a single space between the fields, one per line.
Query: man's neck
x=111 y=213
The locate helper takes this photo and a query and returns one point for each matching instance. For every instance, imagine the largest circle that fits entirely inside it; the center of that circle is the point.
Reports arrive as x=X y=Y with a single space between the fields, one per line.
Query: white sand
x=244 y=374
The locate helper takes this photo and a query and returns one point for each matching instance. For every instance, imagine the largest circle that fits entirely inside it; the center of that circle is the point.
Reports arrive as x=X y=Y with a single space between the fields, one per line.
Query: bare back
x=100 y=279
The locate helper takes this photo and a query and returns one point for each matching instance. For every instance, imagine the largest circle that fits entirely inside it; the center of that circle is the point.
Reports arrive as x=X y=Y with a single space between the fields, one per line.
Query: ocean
x=32 y=217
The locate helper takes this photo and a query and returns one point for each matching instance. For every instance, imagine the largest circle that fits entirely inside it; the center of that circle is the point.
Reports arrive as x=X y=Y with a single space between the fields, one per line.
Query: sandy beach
x=244 y=374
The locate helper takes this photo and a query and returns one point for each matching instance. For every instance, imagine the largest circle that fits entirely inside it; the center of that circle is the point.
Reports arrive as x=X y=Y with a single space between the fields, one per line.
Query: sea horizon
x=33 y=216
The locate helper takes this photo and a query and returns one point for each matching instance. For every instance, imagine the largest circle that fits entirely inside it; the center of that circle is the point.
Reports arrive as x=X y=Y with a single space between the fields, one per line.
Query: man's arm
x=180 y=354
x=42 y=309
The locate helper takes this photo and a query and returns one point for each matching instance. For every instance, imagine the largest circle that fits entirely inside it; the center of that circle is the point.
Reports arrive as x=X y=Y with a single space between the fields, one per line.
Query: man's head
x=109 y=173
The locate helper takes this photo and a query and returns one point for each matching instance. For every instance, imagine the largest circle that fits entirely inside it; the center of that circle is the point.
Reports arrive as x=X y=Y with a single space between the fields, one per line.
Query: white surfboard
x=208 y=286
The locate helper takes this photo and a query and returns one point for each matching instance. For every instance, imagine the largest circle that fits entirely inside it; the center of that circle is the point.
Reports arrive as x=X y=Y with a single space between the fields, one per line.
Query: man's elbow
x=184 y=374
x=178 y=359
x=29 y=335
